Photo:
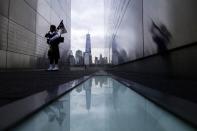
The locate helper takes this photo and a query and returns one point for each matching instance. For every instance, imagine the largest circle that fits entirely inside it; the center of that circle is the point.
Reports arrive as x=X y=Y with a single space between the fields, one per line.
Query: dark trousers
x=53 y=54
x=52 y=60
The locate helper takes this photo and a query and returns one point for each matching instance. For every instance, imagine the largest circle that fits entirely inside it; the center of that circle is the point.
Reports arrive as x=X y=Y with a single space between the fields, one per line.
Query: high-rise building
x=87 y=54
x=96 y=61
x=102 y=60
x=86 y=58
x=79 y=57
x=71 y=58
x=88 y=44
x=105 y=60
x=101 y=57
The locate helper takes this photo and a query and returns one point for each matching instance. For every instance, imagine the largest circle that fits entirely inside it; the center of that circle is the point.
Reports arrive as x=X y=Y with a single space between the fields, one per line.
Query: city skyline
x=77 y=57
x=81 y=58
x=88 y=18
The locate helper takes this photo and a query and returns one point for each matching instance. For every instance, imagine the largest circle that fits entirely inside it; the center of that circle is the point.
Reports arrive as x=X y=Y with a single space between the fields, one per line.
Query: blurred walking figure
x=161 y=36
x=53 y=42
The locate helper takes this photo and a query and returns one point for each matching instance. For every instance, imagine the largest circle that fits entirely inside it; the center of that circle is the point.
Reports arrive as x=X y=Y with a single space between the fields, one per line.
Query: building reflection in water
x=79 y=89
x=117 y=88
x=63 y=114
x=55 y=117
x=110 y=107
x=87 y=87
x=100 y=82
x=56 y=112
x=59 y=113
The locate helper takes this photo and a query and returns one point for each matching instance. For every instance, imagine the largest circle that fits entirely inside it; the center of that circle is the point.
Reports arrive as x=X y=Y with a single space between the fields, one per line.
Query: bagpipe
x=55 y=37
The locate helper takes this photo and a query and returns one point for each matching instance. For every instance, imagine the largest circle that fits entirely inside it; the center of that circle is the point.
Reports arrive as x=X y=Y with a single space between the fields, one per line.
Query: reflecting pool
x=103 y=104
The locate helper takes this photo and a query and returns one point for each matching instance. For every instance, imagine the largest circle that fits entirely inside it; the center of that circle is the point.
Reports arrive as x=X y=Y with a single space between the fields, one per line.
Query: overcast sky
x=87 y=16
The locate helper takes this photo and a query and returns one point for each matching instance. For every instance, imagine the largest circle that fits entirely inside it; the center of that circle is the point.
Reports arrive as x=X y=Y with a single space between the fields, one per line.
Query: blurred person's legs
x=54 y=58
x=51 y=59
x=56 y=64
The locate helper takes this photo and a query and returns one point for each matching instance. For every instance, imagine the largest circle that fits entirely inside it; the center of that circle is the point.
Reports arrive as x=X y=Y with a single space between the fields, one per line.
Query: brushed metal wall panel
x=42 y=26
x=3 y=34
x=41 y=46
x=2 y=59
x=43 y=8
x=4 y=7
x=132 y=34
x=178 y=17
x=26 y=25
x=32 y=3
x=23 y=14
x=16 y=60
x=129 y=34
x=126 y=29
x=20 y=40
x=54 y=18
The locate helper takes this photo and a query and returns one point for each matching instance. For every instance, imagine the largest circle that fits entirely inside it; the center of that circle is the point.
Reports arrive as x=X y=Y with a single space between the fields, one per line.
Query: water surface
x=103 y=104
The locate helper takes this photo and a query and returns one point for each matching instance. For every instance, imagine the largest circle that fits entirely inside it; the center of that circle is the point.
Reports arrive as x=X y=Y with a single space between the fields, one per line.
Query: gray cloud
x=88 y=16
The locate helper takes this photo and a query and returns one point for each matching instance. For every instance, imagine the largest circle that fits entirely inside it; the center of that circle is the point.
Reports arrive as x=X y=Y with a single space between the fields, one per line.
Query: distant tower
x=88 y=55
x=88 y=43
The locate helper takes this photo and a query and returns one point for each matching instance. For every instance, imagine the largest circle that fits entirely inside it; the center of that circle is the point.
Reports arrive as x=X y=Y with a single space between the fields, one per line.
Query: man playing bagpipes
x=53 y=40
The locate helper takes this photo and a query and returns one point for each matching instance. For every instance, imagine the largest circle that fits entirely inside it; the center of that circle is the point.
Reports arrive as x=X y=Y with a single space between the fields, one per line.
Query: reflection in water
x=55 y=117
x=115 y=95
x=112 y=107
x=56 y=113
x=119 y=55
x=116 y=89
x=100 y=82
x=87 y=88
x=79 y=89
x=161 y=36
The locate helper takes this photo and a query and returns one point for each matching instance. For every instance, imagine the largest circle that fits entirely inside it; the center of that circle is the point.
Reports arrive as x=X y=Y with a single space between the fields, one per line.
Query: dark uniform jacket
x=53 y=41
